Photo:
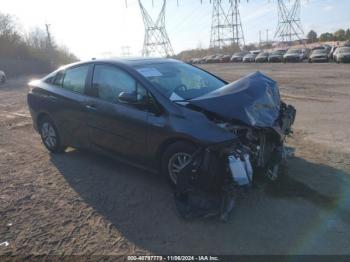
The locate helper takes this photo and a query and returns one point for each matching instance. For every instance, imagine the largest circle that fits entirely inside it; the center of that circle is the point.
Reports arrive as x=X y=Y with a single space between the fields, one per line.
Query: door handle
x=90 y=107
x=52 y=98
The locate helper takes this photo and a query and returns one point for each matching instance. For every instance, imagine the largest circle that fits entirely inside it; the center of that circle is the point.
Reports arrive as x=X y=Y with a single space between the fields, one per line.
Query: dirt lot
x=82 y=203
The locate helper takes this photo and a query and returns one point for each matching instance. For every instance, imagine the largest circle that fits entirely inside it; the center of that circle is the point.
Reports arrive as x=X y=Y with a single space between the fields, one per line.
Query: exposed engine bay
x=209 y=184
x=264 y=146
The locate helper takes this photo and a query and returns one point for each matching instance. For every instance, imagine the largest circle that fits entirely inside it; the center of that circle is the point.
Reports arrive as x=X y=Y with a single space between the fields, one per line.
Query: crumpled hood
x=253 y=99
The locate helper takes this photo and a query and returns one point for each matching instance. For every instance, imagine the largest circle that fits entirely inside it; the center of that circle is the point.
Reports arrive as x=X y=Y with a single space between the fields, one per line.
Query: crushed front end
x=251 y=109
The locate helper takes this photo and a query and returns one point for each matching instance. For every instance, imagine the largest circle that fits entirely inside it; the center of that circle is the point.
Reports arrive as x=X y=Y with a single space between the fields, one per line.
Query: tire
x=3 y=80
x=50 y=136
x=175 y=155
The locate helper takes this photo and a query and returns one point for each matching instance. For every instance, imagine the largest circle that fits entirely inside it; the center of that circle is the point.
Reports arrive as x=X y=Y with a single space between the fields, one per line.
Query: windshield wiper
x=183 y=100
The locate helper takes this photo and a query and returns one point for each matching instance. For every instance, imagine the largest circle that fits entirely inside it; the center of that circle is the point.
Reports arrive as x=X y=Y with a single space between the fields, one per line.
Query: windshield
x=344 y=50
x=179 y=81
x=294 y=51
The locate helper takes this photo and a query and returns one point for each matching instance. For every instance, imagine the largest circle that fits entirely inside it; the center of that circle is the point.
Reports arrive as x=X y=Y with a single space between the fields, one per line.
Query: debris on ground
x=6 y=243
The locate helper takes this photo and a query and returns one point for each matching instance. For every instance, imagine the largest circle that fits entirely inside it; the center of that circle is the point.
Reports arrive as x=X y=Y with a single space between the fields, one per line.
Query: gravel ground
x=83 y=203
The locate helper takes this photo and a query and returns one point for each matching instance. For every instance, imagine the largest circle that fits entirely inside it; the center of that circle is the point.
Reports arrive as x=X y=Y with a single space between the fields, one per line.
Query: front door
x=115 y=126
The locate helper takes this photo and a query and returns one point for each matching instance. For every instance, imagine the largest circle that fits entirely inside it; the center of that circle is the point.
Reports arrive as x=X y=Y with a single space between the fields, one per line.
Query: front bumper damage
x=210 y=183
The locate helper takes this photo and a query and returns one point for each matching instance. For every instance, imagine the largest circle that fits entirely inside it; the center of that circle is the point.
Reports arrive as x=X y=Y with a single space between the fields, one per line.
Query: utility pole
x=226 y=28
x=267 y=36
x=259 y=38
x=156 y=40
x=47 y=26
x=49 y=46
x=289 y=24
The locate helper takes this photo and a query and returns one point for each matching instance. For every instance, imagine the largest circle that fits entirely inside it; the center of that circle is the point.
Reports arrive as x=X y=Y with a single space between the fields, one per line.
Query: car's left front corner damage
x=211 y=182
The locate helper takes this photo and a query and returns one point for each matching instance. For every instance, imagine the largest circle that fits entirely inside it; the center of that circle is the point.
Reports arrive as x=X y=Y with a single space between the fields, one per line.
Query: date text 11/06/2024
x=173 y=258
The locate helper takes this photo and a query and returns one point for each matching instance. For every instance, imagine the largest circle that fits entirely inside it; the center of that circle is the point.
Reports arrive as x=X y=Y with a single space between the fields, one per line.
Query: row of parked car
x=324 y=53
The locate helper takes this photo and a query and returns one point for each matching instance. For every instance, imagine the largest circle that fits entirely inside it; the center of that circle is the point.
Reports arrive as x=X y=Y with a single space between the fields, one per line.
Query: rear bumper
x=236 y=59
x=34 y=117
x=275 y=59
x=320 y=59
x=293 y=59
x=344 y=59
x=249 y=60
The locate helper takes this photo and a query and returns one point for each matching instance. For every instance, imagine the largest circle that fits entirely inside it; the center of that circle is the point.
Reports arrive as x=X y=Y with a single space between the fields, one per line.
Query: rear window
x=58 y=79
x=294 y=51
x=319 y=51
x=344 y=50
x=50 y=77
x=74 y=79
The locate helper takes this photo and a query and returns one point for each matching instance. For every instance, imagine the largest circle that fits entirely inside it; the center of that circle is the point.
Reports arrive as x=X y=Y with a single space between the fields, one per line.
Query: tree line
x=339 y=35
x=35 y=45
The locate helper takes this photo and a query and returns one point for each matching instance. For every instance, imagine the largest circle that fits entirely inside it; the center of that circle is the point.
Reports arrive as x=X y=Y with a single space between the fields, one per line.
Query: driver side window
x=111 y=81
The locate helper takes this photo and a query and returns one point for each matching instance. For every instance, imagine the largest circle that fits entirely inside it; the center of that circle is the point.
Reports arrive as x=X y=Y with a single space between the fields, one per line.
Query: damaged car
x=163 y=114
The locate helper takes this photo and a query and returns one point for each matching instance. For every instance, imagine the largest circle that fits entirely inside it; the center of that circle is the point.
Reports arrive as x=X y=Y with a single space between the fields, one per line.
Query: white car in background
x=2 y=77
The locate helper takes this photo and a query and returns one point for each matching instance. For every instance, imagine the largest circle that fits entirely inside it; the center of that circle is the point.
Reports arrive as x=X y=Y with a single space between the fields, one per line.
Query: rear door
x=67 y=96
x=115 y=126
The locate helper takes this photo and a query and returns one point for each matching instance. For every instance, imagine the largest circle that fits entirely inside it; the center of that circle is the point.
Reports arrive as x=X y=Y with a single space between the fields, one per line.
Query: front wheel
x=50 y=137
x=175 y=157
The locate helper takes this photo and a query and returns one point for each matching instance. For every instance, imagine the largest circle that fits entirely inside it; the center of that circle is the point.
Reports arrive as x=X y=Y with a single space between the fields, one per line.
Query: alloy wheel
x=49 y=135
x=176 y=163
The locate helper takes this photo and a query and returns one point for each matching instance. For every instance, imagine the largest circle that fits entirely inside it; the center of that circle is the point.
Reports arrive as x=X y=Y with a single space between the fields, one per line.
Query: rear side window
x=49 y=78
x=74 y=79
x=57 y=81
x=111 y=81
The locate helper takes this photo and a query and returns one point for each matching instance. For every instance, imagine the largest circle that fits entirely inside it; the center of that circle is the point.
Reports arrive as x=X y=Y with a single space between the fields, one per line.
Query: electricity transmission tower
x=226 y=28
x=289 y=23
x=156 y=41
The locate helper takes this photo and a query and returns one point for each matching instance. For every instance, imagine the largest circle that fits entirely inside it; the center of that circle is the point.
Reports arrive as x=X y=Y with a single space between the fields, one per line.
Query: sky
x=96 y=28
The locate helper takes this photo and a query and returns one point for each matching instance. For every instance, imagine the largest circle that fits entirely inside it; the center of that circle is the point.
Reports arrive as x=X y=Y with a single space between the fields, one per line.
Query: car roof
x=130 y=61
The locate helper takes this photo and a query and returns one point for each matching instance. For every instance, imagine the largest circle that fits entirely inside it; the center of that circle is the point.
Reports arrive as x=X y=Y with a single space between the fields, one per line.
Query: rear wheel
x=50 y=137
x=175 y=157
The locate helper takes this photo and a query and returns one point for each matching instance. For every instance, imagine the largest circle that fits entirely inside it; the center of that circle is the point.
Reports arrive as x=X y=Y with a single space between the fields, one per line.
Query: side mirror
x=128 y=98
